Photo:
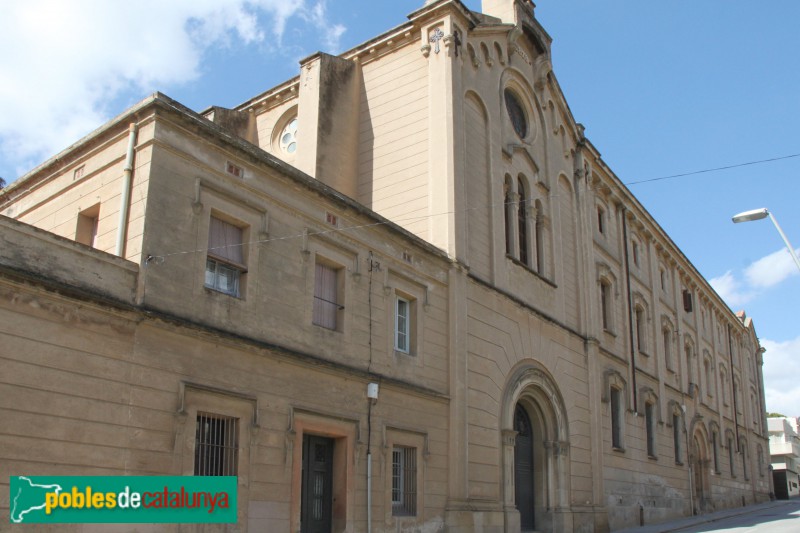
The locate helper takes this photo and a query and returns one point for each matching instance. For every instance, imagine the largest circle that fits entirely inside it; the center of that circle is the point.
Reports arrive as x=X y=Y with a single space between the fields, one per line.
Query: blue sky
x=663 y=88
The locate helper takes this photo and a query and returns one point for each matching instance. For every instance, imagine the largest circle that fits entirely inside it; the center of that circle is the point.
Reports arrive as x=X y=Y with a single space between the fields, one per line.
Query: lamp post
x=758 y=214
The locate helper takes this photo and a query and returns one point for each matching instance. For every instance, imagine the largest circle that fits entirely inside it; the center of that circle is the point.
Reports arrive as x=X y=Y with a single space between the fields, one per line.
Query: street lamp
x=758 y=214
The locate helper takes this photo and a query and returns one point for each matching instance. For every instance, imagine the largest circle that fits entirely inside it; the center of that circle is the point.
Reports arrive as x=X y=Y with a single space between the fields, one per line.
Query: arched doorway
x=698 y=489
x=700 y=463
x=524 y=489
x=536 y=453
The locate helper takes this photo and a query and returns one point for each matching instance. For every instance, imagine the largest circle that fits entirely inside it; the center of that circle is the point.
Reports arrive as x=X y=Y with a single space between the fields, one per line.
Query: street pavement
x=779 y=516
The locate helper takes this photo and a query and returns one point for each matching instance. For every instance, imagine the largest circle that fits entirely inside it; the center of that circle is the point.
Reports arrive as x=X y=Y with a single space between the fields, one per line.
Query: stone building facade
x=421 y=212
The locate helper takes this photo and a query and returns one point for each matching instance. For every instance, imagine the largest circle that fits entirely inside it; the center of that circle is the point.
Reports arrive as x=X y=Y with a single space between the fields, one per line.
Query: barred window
x=216 y=445
x=404 y=481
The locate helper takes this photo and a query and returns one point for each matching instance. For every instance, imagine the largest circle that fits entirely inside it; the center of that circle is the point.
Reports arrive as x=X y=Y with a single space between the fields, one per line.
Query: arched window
x=666 y=334
x=605 y=304
x=641 y=337
x=539 y=235
x=516 y=112
x=522 y=221
x=508 y=209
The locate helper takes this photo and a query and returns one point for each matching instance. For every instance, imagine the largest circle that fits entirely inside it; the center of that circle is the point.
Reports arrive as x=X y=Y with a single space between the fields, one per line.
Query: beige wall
x=491 y=330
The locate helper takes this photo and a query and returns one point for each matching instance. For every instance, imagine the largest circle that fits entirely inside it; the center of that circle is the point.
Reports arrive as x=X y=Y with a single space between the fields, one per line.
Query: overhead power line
x=713 y=169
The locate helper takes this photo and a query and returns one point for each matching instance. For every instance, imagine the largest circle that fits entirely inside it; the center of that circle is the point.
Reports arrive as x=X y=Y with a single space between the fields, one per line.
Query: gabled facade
x=423 y=213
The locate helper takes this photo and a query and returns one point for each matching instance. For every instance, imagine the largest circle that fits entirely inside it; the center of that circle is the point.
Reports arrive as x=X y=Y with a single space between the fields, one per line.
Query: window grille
x=216 y=445
x=404 y=481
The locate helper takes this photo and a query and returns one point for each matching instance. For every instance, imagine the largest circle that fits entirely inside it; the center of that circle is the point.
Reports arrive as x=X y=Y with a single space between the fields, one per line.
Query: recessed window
x=522 y=223
x=288 y=140
x=641 y=337
x=616 y=418
x=667 y=338
x=601 y=220
x=78 y=173
x=635 y=246
x=234 y=170
x=663 y=280
x=216 y=445
x=225 y=260
x=404 y=481
x=516 y=112
x=605 y=304
x=676 y=437
x=650 y=424
x=402 y=323
x=88 y=221
x=326 y=307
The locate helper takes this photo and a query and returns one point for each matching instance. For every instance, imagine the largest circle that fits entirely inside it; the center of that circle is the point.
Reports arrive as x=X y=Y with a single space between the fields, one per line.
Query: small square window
x=216 y=445
x=78 y=173
x=234 y=170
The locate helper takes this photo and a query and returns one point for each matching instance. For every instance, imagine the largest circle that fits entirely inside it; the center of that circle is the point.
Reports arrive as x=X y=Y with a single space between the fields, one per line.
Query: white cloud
x=771 y=270
x=781 y=371
x=758 y=276
x=65 y=61
x=730 y=289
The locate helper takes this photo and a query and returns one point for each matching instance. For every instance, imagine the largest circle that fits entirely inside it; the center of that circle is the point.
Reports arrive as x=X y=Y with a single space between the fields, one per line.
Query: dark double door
x=523 y=468
x=317 y=485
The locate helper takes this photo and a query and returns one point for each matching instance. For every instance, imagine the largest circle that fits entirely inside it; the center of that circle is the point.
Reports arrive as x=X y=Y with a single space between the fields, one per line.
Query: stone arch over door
x=700 y=463
x=532 y=392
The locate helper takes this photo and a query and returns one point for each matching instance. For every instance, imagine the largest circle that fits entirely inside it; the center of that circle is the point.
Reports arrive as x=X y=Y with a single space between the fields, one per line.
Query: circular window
x=288 y=140
x=516 y=112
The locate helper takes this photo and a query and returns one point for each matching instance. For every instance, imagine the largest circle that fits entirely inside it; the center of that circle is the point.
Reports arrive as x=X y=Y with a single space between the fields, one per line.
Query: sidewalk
x=691 y=521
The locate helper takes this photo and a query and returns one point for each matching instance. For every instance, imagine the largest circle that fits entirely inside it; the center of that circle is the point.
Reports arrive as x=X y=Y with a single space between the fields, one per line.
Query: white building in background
x=784 y=451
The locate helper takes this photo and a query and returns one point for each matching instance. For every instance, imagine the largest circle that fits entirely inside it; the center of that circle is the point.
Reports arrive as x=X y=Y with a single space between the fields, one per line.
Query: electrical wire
x=160 y=258
x=695 y=172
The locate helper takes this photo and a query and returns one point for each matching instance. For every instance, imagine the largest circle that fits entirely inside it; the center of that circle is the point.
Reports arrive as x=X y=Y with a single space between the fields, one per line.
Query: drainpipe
x=733 y=388
x=125 y=195
x=372 y=397
x=630 y=310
